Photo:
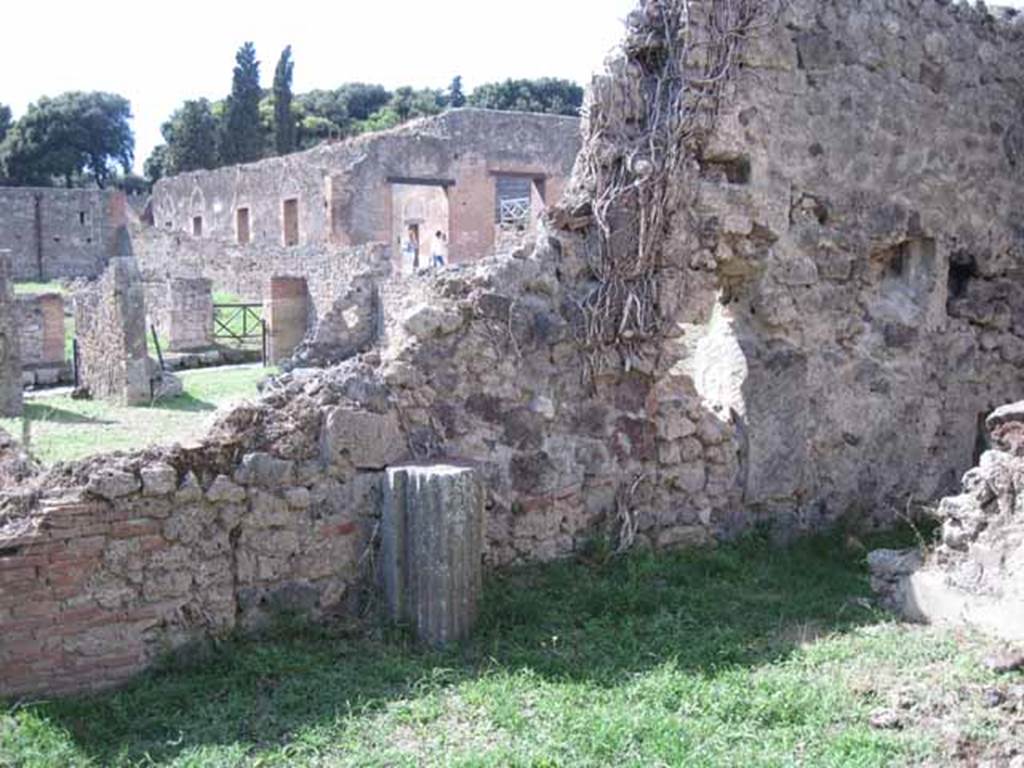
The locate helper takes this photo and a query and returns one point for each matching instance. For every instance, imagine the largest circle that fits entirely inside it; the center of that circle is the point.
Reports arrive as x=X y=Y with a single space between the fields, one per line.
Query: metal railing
x=514 y=212
x=241 y=326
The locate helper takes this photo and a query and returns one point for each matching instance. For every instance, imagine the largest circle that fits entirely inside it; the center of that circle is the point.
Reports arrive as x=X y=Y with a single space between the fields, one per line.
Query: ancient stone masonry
x=432 y=535
x=833 y=288
x=110 y=327
x=10 y=354
x=181 y=310
x=440 y=173
x=976 y=574
x=42 y=339
x=55 y=233
x=823 y=282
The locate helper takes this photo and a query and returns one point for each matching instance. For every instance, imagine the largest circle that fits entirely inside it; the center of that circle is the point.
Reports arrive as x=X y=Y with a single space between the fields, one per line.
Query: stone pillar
x=10 y=357
x=189 y=314
x=40 y=321
x=286 y=310
x=110 y=326
x=432 y=538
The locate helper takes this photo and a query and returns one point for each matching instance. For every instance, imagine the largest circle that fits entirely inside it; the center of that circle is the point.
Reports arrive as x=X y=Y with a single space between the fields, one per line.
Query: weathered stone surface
x=223 y=491
x=159 y=479
x=10 y=351
x=432 y=531
x=976 y=575
x=366 y=440
x=426 y=322
x=110 y=325
x=113 y=484
x=265 y=470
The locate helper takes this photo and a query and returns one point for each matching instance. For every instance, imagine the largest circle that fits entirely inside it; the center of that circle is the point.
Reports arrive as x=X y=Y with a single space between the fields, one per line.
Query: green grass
x=33 y=287
x=741 y=657
x=232 y=318
x=62 y=429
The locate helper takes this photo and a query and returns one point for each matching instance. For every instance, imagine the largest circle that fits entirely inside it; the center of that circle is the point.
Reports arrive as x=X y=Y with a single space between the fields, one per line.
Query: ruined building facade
x=55 y=233
x=474 y=175
x=834 y=301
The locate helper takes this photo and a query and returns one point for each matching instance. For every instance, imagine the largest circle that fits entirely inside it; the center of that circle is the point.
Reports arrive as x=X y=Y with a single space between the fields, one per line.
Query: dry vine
x=640 y=139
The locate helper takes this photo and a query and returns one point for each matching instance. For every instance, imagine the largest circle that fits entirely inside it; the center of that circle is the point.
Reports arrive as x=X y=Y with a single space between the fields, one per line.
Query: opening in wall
x=83 y=218
x=197 y=226
x=242 y=225
x=962 y=269
x=291 y=221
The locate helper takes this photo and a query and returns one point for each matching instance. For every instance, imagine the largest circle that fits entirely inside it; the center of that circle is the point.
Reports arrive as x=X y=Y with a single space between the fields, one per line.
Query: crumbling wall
x=42 y=338
x=975 y=575
x=181 y=310
x=10 y=355
x=344 y=191
x=810 y=355
x=826 y=285
x=110 y=327
x=54 y=233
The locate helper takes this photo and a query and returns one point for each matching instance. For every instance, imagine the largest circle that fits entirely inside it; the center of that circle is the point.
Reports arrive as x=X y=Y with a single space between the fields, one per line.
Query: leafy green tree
x=549 y=95
x=5 y=120
x=155 y=167
x=76 y=137
x=284 y=120
x=456 y=98
x=191 y=136
x=243 y=139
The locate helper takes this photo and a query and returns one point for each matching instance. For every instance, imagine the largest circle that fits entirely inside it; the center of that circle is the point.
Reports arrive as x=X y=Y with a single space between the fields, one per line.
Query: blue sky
x=159 y=55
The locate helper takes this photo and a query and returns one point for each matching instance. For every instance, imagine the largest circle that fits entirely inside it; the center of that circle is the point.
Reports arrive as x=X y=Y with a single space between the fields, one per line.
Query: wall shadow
x=596 y=622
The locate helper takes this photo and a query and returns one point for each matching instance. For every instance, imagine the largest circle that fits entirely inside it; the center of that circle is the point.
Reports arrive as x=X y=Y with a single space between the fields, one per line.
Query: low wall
x=42 y=338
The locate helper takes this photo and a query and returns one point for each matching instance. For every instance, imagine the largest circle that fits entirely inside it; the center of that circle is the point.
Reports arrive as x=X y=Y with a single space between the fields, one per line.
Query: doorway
x=419 y=223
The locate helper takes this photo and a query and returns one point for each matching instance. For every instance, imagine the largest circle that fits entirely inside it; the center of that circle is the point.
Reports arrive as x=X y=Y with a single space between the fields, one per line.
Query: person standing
x=439 y=249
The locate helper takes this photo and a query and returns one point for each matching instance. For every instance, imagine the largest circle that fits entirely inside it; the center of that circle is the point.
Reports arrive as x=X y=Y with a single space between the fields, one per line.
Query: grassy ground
x=741 y=657
x=30 y=287
x=62 y=429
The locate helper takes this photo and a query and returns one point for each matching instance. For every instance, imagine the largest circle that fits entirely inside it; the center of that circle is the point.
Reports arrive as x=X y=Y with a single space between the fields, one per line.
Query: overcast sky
x=159 y=55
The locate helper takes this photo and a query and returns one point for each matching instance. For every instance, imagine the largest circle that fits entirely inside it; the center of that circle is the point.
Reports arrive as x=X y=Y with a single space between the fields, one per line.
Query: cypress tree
x=284 y=121
x=243 y=139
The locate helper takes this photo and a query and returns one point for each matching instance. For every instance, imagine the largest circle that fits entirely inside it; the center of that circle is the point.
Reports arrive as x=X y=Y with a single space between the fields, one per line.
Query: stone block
x=159 y=479
x=432 y=535
x=367 y=440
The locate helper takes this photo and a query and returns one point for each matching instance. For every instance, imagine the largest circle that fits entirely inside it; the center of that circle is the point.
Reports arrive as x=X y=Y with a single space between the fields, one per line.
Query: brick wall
x=54 y=233
x=41 y=334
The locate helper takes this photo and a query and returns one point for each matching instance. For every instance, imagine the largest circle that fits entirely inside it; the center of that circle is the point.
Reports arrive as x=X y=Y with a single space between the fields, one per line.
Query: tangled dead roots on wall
x=643 y=129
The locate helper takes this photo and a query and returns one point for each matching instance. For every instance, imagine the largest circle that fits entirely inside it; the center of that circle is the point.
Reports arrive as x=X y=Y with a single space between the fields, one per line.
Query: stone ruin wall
x=822 y=362
x=60 y=233
x=344 y=190
x=10 y=351
x=181 y=310
x=110 y=326
x=40 y=324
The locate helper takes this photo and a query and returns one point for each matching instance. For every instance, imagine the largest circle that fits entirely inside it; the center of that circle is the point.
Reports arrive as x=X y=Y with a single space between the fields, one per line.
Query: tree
x=243 y=141
x=191 y=136
x=549 y=95
x=456 y=98
x=5 y=121
x=155 y=167
x=74 y=137
x=284 y=120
